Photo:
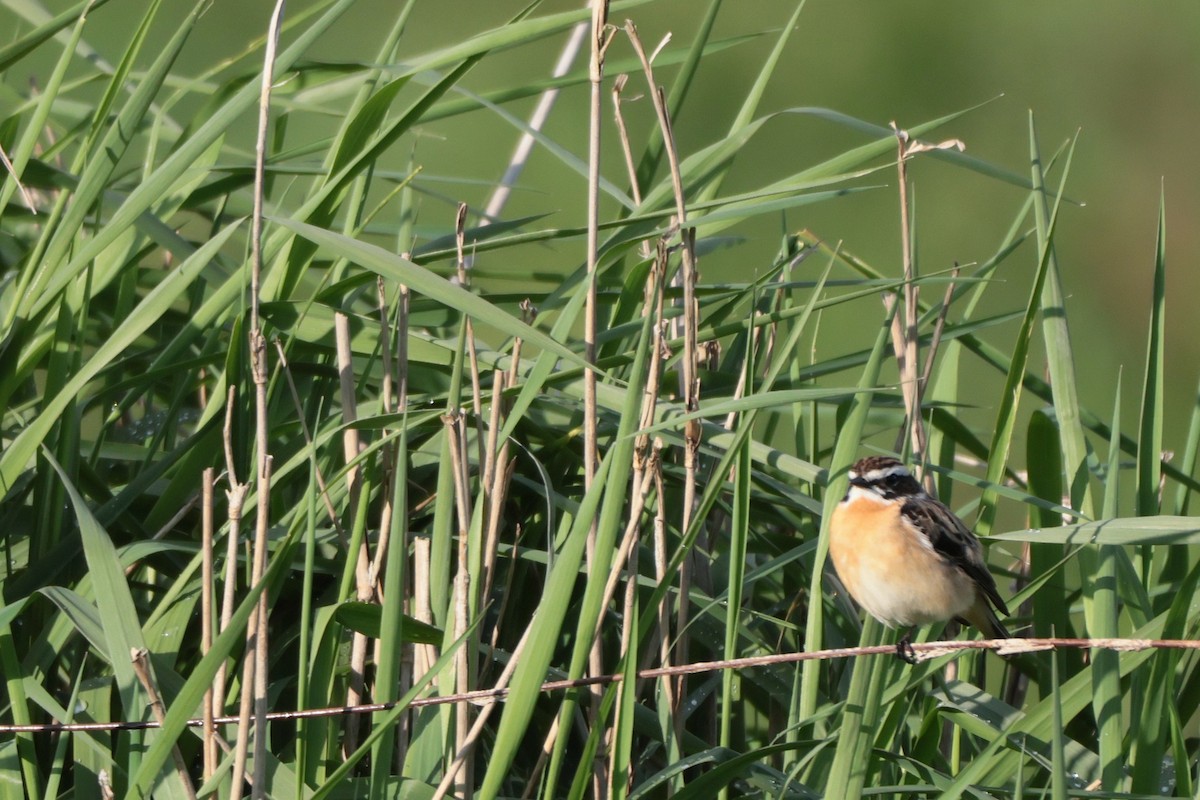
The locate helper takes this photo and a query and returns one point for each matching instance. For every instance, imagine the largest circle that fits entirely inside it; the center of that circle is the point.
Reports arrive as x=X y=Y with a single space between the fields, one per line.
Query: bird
x=906 y=558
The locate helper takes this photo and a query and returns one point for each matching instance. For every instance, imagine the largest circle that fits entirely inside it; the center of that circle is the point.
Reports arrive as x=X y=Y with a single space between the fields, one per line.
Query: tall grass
x=436 y=524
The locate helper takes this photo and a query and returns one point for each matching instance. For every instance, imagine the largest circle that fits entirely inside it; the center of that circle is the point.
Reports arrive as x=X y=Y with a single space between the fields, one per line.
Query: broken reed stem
x=627 y=151
x=907 y=346
x=206 y=615
x=460 y=222
x=912 y=383
x=141 y=667
x=623 y=137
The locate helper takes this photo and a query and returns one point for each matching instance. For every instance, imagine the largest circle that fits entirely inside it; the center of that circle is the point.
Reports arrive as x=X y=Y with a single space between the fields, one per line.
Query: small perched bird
x=906 y=558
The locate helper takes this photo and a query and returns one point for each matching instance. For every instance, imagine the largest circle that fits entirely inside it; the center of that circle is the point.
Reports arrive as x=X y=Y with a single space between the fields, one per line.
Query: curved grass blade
x=1160 y=530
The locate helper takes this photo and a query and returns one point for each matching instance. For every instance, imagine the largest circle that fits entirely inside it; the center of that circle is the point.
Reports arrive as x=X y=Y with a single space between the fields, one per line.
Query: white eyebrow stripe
x=881 y=474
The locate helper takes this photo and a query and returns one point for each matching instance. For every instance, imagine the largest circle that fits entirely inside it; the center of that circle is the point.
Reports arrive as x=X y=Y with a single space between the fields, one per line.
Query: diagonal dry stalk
x=141 y=667
x=235 y=496
x=206 y=615
x=690 y=359
x=470 y=738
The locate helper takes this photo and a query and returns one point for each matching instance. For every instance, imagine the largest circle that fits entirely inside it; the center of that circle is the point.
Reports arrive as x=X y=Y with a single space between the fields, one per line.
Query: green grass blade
x=117 y=613
x=1006 y=415
x=1149 y=454
x=394 y=268
x=156 y=185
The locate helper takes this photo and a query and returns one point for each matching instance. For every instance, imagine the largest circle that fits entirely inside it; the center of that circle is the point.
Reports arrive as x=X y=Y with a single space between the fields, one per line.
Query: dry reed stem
x=256 y=651
x=649 y=405
x=460 y=221
x=510 y=579
x=690 y=381
x=627 y=152
x=671 y=686
x=262 y=661
x=645 y=467
x=399 y=585
x=939 y=327
x=26 y=197
x=535 y=775
x=455 y=437
x=389 y=464
x=206 y=614
x=909 y=344
x=351 y=448
x=235 y=496
x=141 y=667
x=497 y=482
x=389 y=449
x=256 y=646
x=529 y=314
x=623 y=135
x=424 y=655
x=600 y=39
x=472 y=737
x=925 y=651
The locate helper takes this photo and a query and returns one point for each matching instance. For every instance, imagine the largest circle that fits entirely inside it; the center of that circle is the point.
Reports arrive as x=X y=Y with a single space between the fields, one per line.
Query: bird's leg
x=904 y=648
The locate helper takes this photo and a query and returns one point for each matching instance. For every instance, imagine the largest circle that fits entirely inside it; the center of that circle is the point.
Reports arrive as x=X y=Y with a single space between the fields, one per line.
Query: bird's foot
x=904 y=650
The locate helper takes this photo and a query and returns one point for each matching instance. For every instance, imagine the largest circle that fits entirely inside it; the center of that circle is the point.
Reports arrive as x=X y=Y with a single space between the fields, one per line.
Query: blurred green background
x=1125 y=75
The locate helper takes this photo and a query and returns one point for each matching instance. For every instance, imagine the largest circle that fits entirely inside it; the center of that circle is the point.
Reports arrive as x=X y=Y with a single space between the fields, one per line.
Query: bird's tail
x=984 y=617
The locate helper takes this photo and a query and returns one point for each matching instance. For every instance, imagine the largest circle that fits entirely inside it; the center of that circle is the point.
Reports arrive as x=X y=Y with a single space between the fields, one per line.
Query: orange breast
x=890 y=568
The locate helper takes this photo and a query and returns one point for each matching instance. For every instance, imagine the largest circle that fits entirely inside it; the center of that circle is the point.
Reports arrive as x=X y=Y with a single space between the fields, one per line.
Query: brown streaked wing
x=955 y=542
